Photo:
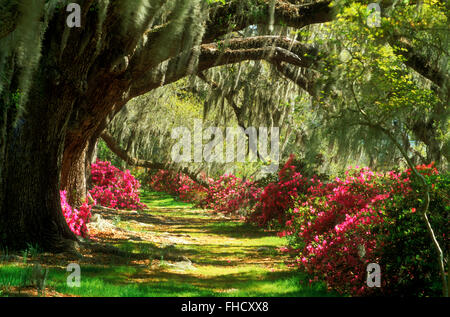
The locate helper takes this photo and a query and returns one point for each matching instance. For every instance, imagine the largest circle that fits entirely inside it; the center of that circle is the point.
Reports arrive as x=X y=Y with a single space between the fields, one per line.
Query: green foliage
x=142 y=175
x=14 y=276
x=105 y=154
x=408 y=257
x=216 y=1
x=33 y=250
x=365 y=86
x=4 y=255
x=15 y=98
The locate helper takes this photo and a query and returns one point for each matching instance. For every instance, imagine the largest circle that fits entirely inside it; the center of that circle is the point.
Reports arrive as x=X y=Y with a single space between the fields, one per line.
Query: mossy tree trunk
x=31 y=210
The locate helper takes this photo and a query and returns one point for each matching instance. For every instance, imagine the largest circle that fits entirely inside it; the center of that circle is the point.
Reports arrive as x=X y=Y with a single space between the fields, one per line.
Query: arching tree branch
x=115 y=147
x=274 y=49
x=234 y=15
x=307 y=84
x=124 y=155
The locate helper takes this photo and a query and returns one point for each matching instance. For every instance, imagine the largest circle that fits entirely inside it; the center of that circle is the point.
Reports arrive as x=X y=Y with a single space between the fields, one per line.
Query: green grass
x=14 y=275
x=97 y=281
x=114 y=281
x=161 y=200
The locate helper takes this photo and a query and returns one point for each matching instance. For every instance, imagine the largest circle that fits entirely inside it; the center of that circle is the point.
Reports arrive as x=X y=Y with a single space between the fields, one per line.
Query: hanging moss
x=21 y=51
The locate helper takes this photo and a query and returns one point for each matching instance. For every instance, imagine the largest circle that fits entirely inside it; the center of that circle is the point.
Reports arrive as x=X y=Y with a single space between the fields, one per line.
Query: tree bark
x=91 y=156
x=73 y=178
x=31 y=211
x=76 y=173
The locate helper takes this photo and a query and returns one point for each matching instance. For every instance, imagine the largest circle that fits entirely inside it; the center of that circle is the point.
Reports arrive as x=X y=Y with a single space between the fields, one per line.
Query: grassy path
x=170 y=249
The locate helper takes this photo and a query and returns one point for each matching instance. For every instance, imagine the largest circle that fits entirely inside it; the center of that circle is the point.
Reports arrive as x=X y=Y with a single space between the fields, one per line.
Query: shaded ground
x=170 y=249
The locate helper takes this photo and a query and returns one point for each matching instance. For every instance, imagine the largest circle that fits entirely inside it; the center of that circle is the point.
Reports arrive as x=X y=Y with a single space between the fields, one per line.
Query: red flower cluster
x=279 y=197
x=424 y=169
x=77 y=219
x=231 y=194
x=334 y=228
x=337 y=229
x=114 y=188
x=179 y=185
x=227 y=194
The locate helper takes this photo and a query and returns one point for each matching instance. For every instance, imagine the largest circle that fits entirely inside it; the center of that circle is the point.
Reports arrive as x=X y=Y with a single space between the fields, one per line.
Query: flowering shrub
x=179 y=185
x=332 y=227
x=77 y=219
x=228 y=194
x=189 y=190
x=407 y=257
x=114 y=188
x=231 y=194
x=278 y=197
x=165 y=181
x=337 y=228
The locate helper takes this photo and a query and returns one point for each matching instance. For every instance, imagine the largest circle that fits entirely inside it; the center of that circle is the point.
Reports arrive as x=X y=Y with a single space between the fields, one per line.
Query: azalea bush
x=189 y=190
x=114 y=188
x=164 y=181
x=278 y=197
x=77 y=219
x=227 y=194
x=407 y=257
x=179 y=185
x=333 y=227
x=337 y=228
x=231 y=194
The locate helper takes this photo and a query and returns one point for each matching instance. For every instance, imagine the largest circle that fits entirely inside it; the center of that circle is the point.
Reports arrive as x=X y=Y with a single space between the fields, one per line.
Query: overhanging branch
x=237 y=15
x=114 y=146
x=302 y=81
x=274 y=49
x=420 y=63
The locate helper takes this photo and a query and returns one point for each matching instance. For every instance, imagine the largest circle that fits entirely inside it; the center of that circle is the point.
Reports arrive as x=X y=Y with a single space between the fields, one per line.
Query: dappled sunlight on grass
x=160 y=200
x=192 y=253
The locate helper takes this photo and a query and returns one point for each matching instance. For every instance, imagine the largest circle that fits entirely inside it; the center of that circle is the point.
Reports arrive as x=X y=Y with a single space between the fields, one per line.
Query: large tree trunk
x=427 y=133
x=76 y=172
x=91 y=157
x=79 y=153
x=73 y=177
x=31 y=211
